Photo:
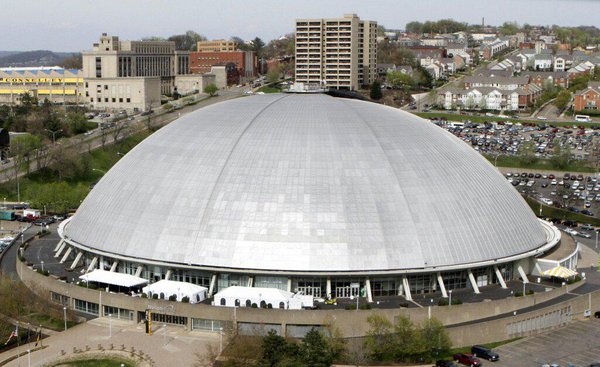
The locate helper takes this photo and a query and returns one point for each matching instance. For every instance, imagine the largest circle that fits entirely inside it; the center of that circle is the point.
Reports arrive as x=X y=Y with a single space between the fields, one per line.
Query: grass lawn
x=101 y=159
x=50 y=322
x=94 y=362
x=479 y=119
x=552 y=212
x=268 y=89
x=545 y=164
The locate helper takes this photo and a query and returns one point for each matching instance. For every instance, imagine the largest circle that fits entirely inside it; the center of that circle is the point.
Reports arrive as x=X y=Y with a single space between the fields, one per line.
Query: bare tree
x=356 y=353
x=119 y=130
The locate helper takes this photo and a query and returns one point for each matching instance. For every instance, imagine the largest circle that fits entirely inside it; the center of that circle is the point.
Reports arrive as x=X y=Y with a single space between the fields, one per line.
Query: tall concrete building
x=131 y=74
x=216 y=46
x=341 y=53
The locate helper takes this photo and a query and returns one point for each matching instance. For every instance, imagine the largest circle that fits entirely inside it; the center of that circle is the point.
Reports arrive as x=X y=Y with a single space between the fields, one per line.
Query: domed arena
x=310 y=193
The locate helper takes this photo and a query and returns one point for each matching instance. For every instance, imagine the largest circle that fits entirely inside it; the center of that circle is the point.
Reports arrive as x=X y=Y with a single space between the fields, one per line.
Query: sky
x=74 y=25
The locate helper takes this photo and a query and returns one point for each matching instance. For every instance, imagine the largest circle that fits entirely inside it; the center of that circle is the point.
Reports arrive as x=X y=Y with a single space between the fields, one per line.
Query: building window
x=99 y=99
x=114 y=100
x=106 y=99
x=120 y=100
x=128 y=100
x=105 y=87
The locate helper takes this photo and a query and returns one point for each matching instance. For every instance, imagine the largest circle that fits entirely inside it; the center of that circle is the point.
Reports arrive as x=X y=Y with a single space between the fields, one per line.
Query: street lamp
x=42 y=266
x=450 y=298
x=54 y=132
x=221 y=340
x=596 y=240
x=65 y=314
x=109 y=325
x=165 y=334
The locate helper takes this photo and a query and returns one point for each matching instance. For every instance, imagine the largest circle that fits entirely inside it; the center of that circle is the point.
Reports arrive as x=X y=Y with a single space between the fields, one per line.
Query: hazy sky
x=73 y=25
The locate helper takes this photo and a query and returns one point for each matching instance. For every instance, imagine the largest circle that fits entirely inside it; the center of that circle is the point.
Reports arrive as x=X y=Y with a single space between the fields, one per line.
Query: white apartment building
x=340 y=53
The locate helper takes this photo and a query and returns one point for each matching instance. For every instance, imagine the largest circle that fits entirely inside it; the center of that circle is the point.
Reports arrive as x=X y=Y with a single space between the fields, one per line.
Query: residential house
x=503 y=83
x=543 y=62
x=587 y=99
x=562 y=62
x=383 y=69
x=582 y=68
x=541 y=78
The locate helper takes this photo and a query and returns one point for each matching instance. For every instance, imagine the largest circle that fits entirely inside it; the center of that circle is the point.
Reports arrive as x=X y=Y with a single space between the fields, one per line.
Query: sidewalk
x=163 y=347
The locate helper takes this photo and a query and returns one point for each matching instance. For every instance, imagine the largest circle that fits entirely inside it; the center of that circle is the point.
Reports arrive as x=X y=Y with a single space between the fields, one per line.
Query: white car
x=542 y=118
x=553 y=182
x=546 y=201
x=582 y=234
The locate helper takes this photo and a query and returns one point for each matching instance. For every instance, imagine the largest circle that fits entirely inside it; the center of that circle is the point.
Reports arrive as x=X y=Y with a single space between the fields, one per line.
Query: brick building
x=588 y=99
x=245 y=62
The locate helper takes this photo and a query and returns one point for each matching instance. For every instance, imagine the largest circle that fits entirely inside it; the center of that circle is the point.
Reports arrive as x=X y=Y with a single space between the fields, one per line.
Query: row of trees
x=440 y=26
x=403 y=341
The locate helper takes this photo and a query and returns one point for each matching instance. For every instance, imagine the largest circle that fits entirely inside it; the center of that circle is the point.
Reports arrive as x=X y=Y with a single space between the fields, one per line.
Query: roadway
x=99 y=138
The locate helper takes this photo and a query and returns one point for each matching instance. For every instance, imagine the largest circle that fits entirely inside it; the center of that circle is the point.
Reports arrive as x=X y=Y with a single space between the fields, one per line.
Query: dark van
x=483 y=352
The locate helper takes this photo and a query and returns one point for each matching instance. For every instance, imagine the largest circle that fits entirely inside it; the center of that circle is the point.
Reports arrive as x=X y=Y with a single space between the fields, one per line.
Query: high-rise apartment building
x=340 y=53
x=216 y=46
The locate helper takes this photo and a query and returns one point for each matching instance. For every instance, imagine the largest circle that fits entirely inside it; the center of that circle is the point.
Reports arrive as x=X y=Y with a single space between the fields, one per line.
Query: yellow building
x=56 y=84
x=216 y=46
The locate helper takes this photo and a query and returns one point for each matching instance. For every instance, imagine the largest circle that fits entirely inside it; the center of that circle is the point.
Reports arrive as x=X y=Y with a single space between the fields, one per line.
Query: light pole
x=220 y=340
x=29 y=357
x=165 y=334
x=596 y=240
x=42 y=266
x=110 y=326
x=523 y=289
x=450 y=298
x=54 y=134
x=65 y=314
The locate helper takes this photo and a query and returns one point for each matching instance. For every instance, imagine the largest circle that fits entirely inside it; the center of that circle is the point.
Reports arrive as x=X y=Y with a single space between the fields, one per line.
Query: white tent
x=194 y=292
x=113 y=278
x=237 y=296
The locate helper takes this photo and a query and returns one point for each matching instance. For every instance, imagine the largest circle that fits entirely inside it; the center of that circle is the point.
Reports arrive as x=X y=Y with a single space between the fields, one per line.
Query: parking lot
x=507 y=138
x=577 y=344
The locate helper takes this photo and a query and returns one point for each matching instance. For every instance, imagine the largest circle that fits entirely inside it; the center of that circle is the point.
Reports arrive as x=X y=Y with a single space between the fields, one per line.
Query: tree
x=414 y=27
x=561 y=156
x=376 y=90
x=435 y=339
x=379 y=341
x=398 y=80
x=23 y=148
x=257 y=46
x=406 y=341
x=509 y=28
x=562 y=99
x=187 y=41
x=274 y=349
x=315 y=350
x=273 y=74
x=527 y=156
x=211 y=89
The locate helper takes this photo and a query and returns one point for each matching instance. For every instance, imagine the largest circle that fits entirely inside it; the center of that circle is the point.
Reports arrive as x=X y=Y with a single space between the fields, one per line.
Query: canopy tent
x=113 y=278
x=560 y=272
x=194 y=292
x=237 y=296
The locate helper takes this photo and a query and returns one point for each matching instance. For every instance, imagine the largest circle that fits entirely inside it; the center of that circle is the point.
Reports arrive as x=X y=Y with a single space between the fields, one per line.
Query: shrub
x=443 y=302
x=254 y=305
x=155 y=296
x=518 y=294
x=162 y=295
x=404 y=304
x=576 y=279
x=349 y=307
x=173 y=297
x=269 y=306
x=457 y=302
x=366 y=306
x=93 y=286
x=185 y=299
x=144 y=295
x=530 y=292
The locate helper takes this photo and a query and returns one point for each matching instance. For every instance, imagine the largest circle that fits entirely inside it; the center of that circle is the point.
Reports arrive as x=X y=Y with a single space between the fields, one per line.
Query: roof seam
x=225 y=164
x=376 y=138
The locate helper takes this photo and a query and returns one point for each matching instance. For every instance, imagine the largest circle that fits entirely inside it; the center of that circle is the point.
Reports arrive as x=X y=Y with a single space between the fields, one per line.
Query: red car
x=467 y=359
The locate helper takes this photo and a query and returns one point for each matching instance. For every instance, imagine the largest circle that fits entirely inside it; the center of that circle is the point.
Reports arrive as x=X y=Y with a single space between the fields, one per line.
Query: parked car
x=587 y=227
x=483 y=352
x=467 y=359
x=570 y=223
x=587 y=212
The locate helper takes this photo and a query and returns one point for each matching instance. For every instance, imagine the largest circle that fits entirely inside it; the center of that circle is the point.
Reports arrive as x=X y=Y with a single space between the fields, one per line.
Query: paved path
x=578 y=343
x=171 y=347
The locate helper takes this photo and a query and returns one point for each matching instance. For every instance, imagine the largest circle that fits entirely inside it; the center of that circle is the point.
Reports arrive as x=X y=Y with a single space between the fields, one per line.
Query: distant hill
x=33 y=58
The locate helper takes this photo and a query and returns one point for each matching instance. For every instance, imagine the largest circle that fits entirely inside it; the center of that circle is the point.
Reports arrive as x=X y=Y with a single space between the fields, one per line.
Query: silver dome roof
x=305 y=183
